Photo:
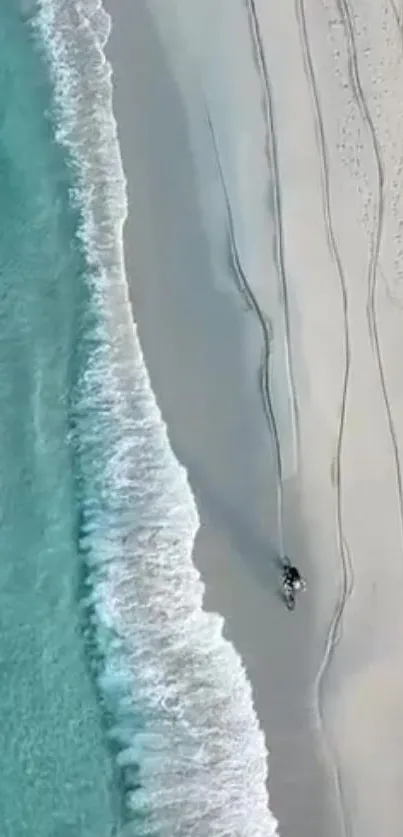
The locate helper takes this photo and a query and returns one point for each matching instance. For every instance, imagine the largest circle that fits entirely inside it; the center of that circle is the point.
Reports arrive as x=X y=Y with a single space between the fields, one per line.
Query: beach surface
x=263 y=157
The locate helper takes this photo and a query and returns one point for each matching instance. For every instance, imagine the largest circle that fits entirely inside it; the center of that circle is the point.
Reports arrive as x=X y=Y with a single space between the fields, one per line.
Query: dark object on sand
x=292 y=583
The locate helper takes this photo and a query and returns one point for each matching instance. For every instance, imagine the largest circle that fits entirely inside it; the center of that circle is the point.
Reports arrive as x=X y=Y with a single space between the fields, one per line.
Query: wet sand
x=204 y=346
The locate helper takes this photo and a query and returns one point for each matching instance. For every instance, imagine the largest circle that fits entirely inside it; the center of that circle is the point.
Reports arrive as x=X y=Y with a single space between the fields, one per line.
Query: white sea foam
x=190 y=747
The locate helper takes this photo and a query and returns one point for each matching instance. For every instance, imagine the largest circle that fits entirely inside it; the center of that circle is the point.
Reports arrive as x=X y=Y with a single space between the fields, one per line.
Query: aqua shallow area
x=124 y=711
x=56 y=773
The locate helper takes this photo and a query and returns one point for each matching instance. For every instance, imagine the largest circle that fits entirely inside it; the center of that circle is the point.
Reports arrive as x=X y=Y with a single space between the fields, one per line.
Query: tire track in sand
x=345 y=14
x=347 y=578
x=266 y=326
x=271 y=150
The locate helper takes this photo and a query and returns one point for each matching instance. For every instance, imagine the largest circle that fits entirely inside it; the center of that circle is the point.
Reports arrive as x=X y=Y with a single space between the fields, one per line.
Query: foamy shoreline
x=211 y=399
x=203 y=351
x=239 y=485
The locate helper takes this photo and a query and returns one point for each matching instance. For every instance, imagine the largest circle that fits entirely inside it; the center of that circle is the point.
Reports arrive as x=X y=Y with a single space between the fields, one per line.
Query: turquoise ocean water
x=56 y=775
x=122 y=709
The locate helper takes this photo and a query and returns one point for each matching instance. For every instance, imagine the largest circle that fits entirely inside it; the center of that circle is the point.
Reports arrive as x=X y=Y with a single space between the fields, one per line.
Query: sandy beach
x=256 y=150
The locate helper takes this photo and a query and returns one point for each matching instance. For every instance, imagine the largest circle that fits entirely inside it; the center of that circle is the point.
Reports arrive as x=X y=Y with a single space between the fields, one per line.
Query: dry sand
x=328 y=679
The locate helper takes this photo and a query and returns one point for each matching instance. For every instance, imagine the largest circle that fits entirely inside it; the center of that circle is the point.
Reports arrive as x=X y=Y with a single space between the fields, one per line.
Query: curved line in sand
x=279 y=238
x=398 y=16
x=347 y=577
x=375 y=250
x=267 y=331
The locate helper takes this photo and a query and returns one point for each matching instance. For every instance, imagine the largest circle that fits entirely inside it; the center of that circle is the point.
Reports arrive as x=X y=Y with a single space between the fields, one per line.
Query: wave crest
x=186 y=736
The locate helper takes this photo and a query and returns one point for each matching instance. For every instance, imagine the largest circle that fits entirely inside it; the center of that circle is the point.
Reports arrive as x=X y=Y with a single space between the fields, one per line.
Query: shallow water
x=56 y=774
x=123 y=709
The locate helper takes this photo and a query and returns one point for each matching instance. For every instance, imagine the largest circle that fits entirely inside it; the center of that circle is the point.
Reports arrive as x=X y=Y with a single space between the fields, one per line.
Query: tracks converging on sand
x=346 y=17
x=272 y=157
x=265 y=323
x=243 y=285
x=347 y=581
x=347 y=578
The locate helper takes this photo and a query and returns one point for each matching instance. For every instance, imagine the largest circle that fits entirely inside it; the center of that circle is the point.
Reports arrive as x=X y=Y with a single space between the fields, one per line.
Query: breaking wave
x=186 y=738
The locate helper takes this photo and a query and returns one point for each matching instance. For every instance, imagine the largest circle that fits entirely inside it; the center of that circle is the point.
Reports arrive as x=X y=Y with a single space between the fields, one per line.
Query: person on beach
x=292 y=577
